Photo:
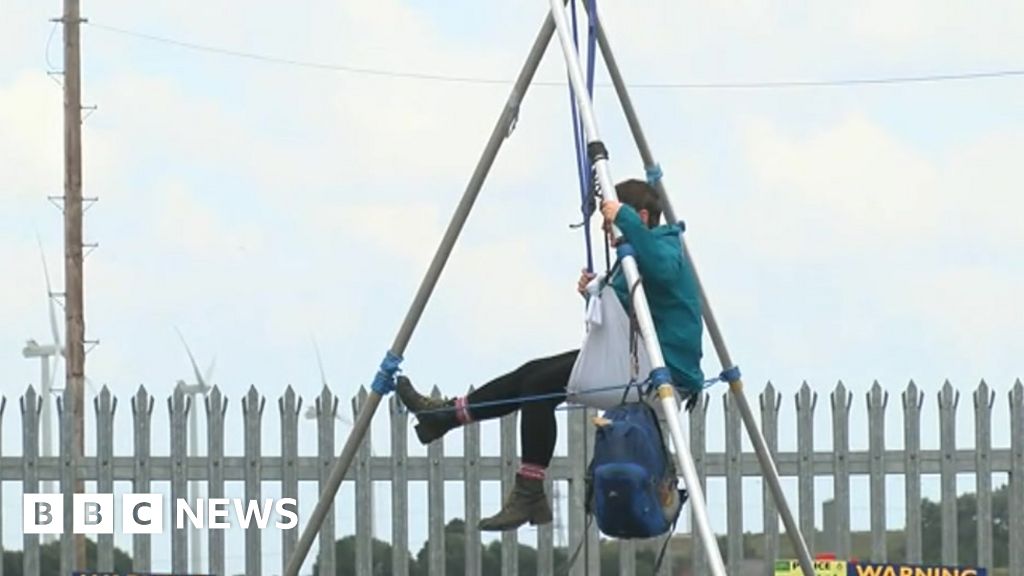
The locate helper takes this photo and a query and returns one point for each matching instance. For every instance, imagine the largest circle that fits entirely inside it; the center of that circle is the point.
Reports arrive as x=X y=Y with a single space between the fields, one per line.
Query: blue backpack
x=631 y=481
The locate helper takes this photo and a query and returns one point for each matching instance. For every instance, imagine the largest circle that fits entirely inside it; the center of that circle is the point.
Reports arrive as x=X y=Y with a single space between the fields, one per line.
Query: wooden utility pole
x=73 y=246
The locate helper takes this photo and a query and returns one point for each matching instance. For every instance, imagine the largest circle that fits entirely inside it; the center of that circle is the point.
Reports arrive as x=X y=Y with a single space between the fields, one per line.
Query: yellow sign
x=821 y=568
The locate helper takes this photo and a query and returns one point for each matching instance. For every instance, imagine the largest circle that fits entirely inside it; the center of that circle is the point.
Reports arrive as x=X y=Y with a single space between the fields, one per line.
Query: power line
x=397 y=74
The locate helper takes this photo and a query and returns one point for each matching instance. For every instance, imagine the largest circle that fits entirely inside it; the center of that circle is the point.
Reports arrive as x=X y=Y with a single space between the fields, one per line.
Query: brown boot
x=435 y=416
x=525 y=503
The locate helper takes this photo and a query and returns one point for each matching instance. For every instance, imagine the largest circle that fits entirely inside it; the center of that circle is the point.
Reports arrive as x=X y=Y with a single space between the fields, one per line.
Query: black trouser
x=538 y=429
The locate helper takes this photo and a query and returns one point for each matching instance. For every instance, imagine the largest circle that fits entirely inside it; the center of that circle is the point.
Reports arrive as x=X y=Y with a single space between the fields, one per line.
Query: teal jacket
x=672 y=295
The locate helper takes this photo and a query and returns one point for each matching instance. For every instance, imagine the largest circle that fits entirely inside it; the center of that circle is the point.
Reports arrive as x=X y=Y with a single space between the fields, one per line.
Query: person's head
x=641 y=197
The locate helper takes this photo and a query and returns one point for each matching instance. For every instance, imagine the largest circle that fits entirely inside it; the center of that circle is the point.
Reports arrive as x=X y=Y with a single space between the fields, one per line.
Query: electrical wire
x=397 y=74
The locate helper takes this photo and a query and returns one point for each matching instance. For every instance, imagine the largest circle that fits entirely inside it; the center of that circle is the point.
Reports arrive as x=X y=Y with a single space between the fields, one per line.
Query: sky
x=858 y=233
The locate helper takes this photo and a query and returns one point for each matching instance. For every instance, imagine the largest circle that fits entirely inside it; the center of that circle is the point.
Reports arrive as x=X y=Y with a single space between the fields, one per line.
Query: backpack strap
x=668 y=538
x=579 y=547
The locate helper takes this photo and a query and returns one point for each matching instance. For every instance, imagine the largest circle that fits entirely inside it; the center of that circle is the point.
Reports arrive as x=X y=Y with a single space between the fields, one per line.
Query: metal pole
x=714 y=331
x=666 y=391
x=504 y=126
x=74 y=300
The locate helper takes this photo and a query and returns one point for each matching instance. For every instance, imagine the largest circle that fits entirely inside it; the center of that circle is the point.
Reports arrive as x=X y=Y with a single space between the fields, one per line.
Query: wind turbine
x=44 y=352
x=197 y=391
x=312 y=415
x=311 y=409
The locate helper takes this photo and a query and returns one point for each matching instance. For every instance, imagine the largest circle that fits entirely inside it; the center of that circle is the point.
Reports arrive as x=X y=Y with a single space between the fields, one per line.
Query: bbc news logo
x=144 y=513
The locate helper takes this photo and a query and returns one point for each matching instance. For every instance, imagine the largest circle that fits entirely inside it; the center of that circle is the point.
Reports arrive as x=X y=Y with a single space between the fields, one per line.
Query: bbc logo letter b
x=93 y=514
x=42 y=513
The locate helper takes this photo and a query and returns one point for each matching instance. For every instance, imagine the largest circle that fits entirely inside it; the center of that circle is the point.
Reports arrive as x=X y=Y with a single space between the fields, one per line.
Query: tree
x=967 y=528
x=345 y=558
x=49 y=559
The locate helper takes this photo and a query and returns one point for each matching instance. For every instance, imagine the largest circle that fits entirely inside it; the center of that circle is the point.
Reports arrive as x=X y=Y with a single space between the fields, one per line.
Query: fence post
x=949 y=399
x=289 y=406
x=509 y=538
x=877 y=401
x=577 y=489
x=178 y=406
x=3 y=404
x=841 y=402
x=67 y=477
x=364 y=493
x=698 y=447
x=435 y=503
x=326 y=410
x=913 y=399
x=30 y=409
x=1017 y=479
x=733 y=481
x=471 y=489
x=105 y=407
x=216 y=407
x=771 y=402
x=142 y=413
x=984 y=398
x=252 y=409
x=399 y=489
x=593 y=558
x=806 y=402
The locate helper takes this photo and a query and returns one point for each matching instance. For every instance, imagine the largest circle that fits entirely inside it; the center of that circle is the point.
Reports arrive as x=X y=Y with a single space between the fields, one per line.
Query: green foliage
x=49 y=559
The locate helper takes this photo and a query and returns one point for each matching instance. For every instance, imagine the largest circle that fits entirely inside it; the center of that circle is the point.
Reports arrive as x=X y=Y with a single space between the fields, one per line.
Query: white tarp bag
x=605 y=365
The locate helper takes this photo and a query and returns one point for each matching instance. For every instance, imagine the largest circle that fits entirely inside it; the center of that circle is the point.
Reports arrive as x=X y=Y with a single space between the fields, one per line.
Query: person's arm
x=653 y=255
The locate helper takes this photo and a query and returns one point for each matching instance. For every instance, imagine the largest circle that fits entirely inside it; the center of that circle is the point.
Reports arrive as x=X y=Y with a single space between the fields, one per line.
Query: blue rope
x=730 y=374
x=533 y=398
x=654 y=174
x=384 y=380
x=656 y=377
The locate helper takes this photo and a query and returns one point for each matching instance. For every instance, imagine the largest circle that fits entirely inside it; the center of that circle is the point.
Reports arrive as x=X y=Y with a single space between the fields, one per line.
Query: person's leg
x=527 y=501
x=494 y=399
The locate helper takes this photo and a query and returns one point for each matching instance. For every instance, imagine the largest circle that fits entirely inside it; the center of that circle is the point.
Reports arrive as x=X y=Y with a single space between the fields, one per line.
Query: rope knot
x=384 y=380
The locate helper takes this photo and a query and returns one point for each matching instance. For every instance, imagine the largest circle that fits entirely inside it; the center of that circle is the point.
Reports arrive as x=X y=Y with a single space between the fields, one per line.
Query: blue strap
x=582 y=169
x=660 y=376
x=579 y=138
x=654 y=174
x=731 y=374
x=384 y=380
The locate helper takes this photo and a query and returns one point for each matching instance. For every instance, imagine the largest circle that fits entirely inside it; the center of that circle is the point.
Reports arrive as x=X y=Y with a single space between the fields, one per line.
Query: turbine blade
x=208 y=377
x=195 y=367
x=49 y=297
x=320 y=363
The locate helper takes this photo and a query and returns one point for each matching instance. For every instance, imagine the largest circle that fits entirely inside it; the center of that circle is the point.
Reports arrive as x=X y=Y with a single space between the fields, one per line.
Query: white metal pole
x=666 y=390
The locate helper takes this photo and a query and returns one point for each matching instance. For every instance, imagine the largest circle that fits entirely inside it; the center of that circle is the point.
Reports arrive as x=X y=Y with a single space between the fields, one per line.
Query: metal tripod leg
x=736 y=386
x=501 y=130
x=659 y=374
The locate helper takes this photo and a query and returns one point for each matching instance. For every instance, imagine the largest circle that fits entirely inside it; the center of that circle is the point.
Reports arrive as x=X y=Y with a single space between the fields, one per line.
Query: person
x=674 y=301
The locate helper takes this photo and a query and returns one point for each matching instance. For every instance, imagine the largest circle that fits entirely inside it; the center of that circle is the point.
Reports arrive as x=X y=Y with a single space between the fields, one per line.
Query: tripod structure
x=660 y=377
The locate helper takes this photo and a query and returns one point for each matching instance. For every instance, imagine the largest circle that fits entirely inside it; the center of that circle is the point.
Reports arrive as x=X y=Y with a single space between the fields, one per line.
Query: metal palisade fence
x=141 y=468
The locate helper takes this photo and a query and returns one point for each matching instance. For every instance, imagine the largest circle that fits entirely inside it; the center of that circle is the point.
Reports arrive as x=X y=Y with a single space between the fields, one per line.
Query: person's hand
x=585 y=278
x=610 y=209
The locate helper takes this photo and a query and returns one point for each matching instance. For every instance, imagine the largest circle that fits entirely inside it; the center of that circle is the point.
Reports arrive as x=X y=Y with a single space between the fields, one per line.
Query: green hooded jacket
x=672 y=294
